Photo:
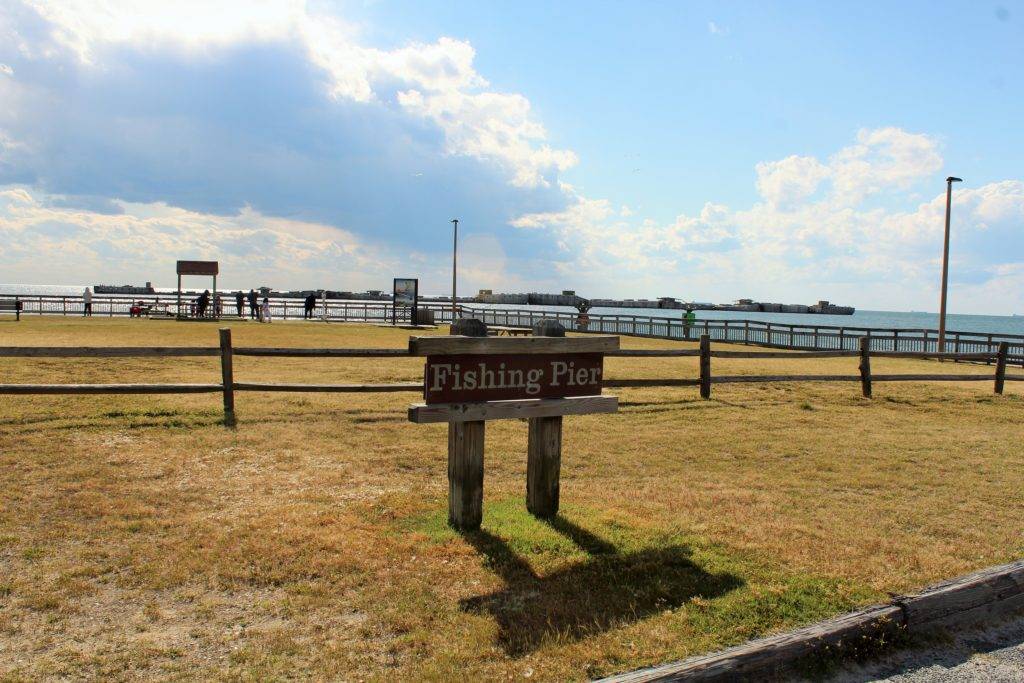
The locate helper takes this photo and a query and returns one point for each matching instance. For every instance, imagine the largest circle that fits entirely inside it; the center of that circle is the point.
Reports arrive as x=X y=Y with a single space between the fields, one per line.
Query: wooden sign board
x=198 y=268
x=467 y=378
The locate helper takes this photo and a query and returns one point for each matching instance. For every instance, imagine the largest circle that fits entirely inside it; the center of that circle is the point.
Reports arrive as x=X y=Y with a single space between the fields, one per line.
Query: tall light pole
x=945 y=264
x=455 y=251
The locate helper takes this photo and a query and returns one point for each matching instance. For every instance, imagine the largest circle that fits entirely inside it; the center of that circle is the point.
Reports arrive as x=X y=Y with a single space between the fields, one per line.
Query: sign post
x=210 y=268
x=469 y=380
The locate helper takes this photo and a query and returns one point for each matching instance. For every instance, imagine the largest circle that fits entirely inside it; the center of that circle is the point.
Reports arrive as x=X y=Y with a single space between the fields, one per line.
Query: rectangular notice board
x=470 y=378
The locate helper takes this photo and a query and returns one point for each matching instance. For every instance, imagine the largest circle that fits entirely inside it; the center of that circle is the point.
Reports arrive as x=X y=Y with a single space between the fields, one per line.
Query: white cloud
x=716 y=30
x=145 y=239
x=436 y=81
x=86 y=25
x=812 y=236
x=791 y=179
x=883 y=158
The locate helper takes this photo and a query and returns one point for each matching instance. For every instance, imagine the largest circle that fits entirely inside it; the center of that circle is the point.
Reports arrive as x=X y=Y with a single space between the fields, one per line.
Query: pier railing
x=802 y=337
x=227 y=386
x=809 y=337
x=281 y=308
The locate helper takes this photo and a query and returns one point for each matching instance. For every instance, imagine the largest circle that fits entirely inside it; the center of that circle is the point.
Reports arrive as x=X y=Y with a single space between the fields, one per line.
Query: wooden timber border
x=970 y=599
x=796 y=336
x=705 y=380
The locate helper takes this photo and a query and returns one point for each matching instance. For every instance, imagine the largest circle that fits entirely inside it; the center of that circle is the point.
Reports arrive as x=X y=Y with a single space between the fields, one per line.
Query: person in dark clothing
x=254 y=307
x=310 y=305
x=239 y=302
x=204 y=302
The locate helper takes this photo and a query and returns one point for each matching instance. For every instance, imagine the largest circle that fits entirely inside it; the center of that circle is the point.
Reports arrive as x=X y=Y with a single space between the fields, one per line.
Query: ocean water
x=903 y=320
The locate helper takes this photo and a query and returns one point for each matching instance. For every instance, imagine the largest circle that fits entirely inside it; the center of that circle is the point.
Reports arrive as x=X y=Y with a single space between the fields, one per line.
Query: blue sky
x=710 y=151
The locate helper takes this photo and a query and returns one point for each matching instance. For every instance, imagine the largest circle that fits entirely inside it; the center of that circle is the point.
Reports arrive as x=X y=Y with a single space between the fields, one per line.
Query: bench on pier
x=11 y=306
x=508 y=331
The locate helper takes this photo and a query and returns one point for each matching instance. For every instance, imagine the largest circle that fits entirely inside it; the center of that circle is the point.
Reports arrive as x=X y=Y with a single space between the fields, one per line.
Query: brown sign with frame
x=470 y=378
x=198 y=268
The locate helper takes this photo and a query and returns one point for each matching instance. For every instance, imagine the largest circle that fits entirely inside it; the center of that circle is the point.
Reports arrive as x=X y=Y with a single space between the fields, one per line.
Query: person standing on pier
x=239 y=302
x=254 y=309
x=204 y=301
x=265 y=310
x=689 y=319
x=87 y=302
x=310 y=305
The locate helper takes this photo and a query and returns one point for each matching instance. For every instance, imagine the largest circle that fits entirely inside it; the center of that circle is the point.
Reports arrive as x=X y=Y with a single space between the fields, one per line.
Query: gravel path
x=992 y=655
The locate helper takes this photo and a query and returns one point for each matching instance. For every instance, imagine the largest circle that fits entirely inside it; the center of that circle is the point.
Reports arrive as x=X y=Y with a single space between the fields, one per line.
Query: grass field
x=139 y=537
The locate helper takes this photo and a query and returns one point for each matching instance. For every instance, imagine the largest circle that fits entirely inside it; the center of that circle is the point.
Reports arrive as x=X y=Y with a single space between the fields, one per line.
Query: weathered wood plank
x=452 y=345
x=422 y=413
x=795 y=355
x=465 y=474
x=319 y=353
x=763 y=657
x=654 y=353
x=736 y=379
x=331 y=388
x=966 y=598
x=105 y=351
x=933 y=378
x=949 y=355
x=543 y=465
x=109 y=388
x=671 y=382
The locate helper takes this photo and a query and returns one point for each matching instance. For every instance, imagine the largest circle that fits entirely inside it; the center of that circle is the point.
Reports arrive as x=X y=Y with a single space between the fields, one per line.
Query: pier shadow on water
x=606 y=591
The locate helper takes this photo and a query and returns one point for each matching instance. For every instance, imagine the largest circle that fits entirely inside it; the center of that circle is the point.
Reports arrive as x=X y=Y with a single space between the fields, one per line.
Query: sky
x=780 y=151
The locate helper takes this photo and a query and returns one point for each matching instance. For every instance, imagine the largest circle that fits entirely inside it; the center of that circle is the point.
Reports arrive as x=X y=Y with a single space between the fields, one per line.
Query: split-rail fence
x=227 y=386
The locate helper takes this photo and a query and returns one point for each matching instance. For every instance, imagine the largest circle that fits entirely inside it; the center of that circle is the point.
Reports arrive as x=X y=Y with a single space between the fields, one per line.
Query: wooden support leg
x=543 y=463
x=465 y=474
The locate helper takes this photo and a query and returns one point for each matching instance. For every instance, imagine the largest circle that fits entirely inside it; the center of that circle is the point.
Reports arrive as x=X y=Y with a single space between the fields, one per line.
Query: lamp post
x=945 y=265
x=455 y=249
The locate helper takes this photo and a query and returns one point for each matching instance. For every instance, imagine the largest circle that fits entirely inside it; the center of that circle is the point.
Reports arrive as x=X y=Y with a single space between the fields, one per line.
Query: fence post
x=865 y=366
x=227 y=377
x=1004 y=348
x=705 y=366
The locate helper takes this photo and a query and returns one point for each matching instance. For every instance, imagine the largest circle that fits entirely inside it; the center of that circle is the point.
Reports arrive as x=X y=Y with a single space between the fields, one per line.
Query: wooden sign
x=198 y=268
x=466 y=378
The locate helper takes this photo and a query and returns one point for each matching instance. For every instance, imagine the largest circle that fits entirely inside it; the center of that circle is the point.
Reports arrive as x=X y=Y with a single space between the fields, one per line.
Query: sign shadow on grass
x=606 y=591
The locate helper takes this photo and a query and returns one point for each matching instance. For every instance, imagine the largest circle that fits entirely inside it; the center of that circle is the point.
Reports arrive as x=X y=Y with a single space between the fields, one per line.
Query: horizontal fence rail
x=226 y=351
